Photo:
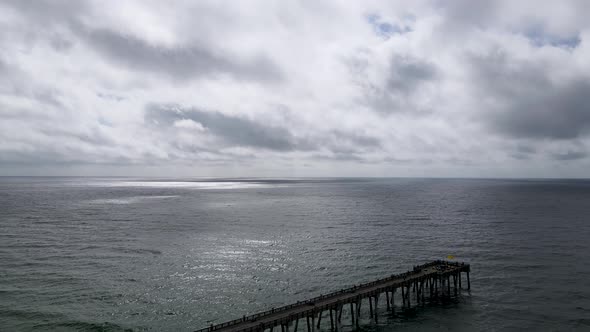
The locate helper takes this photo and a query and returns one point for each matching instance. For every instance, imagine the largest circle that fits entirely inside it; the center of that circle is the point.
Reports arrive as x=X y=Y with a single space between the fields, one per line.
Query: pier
x=428 y=282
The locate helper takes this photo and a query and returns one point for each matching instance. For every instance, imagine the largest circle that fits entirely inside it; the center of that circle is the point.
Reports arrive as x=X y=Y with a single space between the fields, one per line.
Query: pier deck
x=434 y=278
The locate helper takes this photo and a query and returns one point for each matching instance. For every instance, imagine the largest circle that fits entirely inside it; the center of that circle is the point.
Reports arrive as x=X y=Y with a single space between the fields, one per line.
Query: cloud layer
x=377 y=88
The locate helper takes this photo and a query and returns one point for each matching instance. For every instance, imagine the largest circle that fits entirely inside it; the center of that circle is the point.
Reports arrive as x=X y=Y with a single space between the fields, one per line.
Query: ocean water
x=115 y=254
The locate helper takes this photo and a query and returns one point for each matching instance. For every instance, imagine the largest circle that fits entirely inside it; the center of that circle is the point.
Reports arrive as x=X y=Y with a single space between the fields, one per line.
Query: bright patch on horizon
x=184 y=184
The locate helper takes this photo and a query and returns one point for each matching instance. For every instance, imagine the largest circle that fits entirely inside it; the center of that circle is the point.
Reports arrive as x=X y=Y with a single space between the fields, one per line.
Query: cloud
x=238 y=131
x=407 y=79
x=178 y=63
x=409 y=73
x=45 y=12
x=527 y=103
x=328 y=88
x=570 y=155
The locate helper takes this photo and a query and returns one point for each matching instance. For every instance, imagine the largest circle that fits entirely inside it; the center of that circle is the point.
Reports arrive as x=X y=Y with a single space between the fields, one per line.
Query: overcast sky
x=295 y=88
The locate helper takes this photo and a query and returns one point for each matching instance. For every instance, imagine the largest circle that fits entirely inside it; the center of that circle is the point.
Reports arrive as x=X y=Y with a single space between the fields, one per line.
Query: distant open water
x=114 y=254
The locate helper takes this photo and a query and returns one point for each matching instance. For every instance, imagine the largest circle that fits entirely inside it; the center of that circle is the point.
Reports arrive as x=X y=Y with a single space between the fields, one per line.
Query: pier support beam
x=331 y=320
x=422 y=291
x=285 y=327
x=403 y=297
x=449 y=285
x=376 y=315
x=393 y=301
x=358 y=312
x=436 y=287
x=338 y=317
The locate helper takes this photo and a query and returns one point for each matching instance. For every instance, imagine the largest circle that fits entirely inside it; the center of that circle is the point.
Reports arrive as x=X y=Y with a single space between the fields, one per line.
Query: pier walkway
x=428 y=281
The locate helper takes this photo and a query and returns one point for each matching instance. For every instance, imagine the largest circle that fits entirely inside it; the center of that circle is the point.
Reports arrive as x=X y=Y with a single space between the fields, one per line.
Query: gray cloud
x=407 y=75
x=540 y=38
x=337 y=156
x=522 y=152
x=93 y=136
x=570 y=155
x=15 y=82
x=48 y=11
x=466 y=11
x=242 y=131
x=234 y=130
x=527 y=103
x=181 y=63
x=358 y=139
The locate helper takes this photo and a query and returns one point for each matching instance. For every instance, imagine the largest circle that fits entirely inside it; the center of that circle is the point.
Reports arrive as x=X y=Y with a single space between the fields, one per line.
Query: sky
x=295 y=88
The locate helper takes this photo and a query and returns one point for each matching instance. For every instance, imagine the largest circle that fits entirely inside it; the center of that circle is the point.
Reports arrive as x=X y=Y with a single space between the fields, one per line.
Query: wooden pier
x=431 y=281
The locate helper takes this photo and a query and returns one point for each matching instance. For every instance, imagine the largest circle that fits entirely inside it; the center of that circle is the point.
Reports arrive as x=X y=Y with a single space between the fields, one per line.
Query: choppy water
x=112 y=254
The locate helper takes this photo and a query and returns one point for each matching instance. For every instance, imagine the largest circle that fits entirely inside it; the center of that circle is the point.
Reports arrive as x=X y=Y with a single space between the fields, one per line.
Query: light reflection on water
x=181 y=184
x=128 y=200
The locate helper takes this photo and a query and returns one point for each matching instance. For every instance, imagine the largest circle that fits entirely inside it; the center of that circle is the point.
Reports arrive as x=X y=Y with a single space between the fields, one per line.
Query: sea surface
x=117 y=254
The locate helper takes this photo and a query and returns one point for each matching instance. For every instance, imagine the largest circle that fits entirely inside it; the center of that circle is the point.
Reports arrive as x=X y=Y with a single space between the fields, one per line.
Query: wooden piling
x=358 y=312
x=319 y=319
x=403 y=297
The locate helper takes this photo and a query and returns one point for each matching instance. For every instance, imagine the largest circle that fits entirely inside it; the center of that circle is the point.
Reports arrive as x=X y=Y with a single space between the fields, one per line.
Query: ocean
x=131 y=254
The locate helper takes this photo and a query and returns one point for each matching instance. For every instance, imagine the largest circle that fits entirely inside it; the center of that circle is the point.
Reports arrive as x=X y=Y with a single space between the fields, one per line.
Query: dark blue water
x=111 y=254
